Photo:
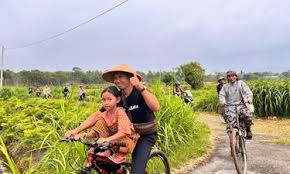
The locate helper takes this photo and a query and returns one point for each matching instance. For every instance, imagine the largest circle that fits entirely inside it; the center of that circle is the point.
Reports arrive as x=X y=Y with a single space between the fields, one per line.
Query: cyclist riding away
x=236 y=92
x=140 y=105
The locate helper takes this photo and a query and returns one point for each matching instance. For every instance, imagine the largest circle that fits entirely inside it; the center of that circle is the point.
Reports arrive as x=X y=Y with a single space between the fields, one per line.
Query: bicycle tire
x=238 y=152
x=157 y=163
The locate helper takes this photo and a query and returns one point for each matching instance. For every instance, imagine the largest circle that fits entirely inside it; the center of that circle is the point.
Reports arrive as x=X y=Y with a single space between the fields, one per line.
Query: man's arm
x=247 y=92
x=89 y=122
x=222 y=96
x=149 y=98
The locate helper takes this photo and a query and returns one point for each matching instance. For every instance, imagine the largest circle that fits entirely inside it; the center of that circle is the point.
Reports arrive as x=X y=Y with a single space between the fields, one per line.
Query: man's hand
x=136 y=82
x=250 y=100
x=223 y=103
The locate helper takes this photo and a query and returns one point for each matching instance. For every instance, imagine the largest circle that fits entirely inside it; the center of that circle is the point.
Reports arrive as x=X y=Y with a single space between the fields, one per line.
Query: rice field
x=32 y=127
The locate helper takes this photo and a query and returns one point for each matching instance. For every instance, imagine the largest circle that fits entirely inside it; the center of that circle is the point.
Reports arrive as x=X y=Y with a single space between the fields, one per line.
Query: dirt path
x=262 y=158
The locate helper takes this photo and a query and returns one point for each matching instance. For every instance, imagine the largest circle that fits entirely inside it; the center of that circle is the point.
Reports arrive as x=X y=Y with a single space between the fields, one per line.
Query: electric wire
x=68 y=30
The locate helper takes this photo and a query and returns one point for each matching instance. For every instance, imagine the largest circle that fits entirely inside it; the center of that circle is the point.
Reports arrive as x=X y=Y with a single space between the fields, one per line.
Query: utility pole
x=1 y=57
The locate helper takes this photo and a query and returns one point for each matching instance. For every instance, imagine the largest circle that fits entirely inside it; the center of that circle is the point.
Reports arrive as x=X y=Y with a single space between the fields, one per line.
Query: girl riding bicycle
x=141 y=104
x=113 y=125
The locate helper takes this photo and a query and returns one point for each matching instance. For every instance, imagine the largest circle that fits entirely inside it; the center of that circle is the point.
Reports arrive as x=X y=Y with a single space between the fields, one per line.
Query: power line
x=68 y=30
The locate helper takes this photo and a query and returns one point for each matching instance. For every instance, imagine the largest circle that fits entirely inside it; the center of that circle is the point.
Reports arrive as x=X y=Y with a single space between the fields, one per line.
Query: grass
x=279 y=128
x=194 y=148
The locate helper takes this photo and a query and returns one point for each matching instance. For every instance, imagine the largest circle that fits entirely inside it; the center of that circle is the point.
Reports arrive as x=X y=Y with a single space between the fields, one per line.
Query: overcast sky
x=248 y=35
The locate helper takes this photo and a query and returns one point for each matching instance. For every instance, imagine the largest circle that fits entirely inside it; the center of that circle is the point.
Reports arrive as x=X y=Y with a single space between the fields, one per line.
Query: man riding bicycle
x=236 y=92
x=140 y=105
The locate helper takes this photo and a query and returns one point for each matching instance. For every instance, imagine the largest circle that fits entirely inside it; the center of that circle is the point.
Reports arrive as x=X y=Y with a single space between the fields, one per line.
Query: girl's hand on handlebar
x=80 y=136
x=102 y=140
x=70 y=133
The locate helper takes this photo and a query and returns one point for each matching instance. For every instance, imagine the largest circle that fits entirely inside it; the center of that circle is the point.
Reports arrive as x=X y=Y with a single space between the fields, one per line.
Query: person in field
x=187 y=96
x=65 y=92
x=82 y=92
x=30 y=91
x=221 y=82
x=177 y=90
x=47 y=92
x=236 y=92
x=113 y=125
x=140 y=105
x=38 y=91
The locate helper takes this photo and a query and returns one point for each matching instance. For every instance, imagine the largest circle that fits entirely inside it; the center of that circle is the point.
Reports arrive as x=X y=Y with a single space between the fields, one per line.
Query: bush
x=194 y=74
x=6 y=93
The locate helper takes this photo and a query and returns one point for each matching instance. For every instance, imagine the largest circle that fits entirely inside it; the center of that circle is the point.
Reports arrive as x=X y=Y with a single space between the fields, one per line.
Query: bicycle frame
x=238 y=149
x=101 y=164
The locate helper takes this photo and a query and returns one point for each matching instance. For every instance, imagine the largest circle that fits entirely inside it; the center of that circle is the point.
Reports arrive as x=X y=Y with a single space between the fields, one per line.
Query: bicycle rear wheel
x=157 y=163
x=238 y=152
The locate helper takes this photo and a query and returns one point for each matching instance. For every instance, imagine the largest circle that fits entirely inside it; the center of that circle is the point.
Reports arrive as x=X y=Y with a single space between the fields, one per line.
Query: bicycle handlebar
x=233 y=104
x=103 y=146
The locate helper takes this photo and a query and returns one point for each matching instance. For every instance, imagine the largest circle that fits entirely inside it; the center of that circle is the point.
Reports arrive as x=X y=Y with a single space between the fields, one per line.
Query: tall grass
x=271 y=98
x=10 y=162
x=180 y=133
x=206 y=99
x=43 y=122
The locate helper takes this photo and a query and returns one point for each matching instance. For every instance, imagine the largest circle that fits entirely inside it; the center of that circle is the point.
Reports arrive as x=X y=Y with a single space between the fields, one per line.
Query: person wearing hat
x=177 y=90
x=237 y=92
x=221 y=82
x=140 y=105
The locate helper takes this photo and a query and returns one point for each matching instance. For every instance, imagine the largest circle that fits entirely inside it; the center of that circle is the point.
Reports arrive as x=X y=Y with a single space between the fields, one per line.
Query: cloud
x=150 y=35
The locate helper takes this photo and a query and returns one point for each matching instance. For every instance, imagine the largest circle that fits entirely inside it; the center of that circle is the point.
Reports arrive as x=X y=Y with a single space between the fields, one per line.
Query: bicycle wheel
x=238 y=152
x=157 y=163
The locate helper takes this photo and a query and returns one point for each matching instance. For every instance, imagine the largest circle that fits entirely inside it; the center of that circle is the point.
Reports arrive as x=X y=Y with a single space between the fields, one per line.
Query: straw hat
x=109 y=75
x=221 y=78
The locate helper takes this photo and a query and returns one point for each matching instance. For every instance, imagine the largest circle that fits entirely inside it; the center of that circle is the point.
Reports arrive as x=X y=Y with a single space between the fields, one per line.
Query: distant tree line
x=191 y=73
x=37 y=77
x=251 y=75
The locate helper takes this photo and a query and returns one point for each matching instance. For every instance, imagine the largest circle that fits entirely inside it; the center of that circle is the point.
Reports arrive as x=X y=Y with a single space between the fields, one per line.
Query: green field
x=31 y=128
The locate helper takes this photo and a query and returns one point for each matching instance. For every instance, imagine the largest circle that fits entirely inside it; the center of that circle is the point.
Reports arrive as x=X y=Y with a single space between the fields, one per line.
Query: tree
x=77 y=69
x=194 y=74
x=168 y=78
x=286 y=74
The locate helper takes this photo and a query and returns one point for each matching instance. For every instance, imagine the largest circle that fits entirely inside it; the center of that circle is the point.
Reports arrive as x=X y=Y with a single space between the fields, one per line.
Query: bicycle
x=103 y=165
x=237 y=143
